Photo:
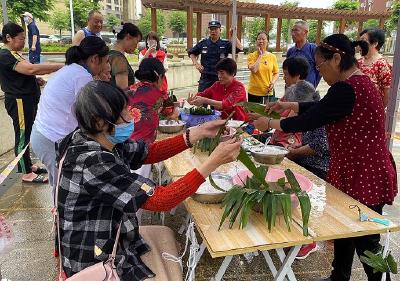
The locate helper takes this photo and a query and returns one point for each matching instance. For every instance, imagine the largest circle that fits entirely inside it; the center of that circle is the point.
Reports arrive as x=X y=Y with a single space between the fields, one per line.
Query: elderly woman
x=264 y=70
x=22 y=92
x=360 y=163
x=97 y=190
x=224 y=94
x=373 y=64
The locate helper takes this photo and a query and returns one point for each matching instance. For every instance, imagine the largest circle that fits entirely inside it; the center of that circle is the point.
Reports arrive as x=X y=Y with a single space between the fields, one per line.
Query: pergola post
x=267 y=23
x=154 y=19
x=381 y=23
x=319 y=30
x=360 y=28
x=228 y=23
x=198 y=27
x=189 y=27
x=278 y=35
x=239 y=27
x=342 y=25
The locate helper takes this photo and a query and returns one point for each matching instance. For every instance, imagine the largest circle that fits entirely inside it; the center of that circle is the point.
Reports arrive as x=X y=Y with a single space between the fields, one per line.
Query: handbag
x=101 y=271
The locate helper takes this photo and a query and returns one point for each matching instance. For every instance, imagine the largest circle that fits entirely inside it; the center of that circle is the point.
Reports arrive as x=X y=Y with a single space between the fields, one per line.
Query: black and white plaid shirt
x=97 y=191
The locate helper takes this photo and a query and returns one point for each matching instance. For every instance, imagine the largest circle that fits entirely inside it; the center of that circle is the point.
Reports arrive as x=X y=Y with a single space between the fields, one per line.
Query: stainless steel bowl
x=271 y=159
x=165 y=126
x=213 y=198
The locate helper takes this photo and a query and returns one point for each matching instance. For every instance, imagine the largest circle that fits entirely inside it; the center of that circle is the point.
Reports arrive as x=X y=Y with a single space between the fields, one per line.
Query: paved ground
x=28 y=207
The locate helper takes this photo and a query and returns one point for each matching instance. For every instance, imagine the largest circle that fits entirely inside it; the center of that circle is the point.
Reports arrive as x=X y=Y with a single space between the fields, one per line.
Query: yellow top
x=260 y=81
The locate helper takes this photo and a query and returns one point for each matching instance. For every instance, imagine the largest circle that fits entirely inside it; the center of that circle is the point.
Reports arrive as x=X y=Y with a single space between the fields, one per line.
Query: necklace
x=351 y=74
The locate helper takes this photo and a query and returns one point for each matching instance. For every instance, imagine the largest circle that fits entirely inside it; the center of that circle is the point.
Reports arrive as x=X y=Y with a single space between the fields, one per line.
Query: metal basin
x=170 y=126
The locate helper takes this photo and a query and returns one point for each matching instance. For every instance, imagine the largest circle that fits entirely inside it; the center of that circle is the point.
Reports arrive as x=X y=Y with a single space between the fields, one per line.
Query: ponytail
x=147 y=75
x=73 y=55
x=363 y=45
x=150 y=69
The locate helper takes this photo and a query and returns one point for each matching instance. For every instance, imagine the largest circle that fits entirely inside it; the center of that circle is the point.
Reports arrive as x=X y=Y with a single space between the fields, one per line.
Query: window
x=108 y=7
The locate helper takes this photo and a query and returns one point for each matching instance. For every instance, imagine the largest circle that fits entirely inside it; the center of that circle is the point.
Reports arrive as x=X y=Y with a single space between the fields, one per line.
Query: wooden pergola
x=267 y=11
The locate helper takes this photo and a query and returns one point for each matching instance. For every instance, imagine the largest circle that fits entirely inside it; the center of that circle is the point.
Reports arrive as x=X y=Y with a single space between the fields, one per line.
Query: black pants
x=206 y=81
x=344 y=253
x=22 y=112
x=261 y=99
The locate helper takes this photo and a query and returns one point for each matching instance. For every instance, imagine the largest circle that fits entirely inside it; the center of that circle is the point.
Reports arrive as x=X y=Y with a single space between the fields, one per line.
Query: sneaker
x=306 y=250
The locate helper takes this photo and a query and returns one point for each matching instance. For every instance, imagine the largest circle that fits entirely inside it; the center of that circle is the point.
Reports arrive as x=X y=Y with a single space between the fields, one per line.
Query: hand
x=40 y=81
x=33 y=48
x=206 y=130
x=199 y=101
x=292 y=153
x=260 y=51
x=230 y=32
x=270 y=87
x=261 y=123
x=174 y=115
x=199 y=67
x=253 y=116
x=151 y=49
x=226 y=151
x=191 y=98
x=277 y=106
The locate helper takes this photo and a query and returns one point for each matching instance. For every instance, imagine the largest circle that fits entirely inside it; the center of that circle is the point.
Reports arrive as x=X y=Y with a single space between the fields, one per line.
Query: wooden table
x=330 y=218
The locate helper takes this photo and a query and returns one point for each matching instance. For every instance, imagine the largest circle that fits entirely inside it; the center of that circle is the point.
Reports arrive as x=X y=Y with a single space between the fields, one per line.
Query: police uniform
x=211 y=53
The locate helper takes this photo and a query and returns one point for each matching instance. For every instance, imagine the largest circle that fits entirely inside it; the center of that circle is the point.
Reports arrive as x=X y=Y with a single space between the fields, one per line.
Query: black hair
x=128 y=28
x=153 y=35
x=228 y=65
x=263 y=32
x=11 y=29
x=91 y=45
x=296 y=66
x=341 y=44
x=150 y=69
x=92 y=12
x=375 y=35
x=99 y=100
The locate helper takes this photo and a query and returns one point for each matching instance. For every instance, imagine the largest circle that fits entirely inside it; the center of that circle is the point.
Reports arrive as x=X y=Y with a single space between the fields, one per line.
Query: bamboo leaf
x=246 y=160
x=292 y=180
x=281 y=182
x=286 y=205
x=213 y=184
x=258 y=108
x=305 y=206
x=215 y=141
x=392 y=264
x=229 y=202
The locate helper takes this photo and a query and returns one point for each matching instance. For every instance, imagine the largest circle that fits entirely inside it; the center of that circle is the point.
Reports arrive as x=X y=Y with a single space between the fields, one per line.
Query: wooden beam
x=381 y=23
x=154 y=19
x=360 y=28
x=198 y=27
x=319 y=30
x=239 y=27
x=342 y=25
x=189 y=28
x=228 y=23
x=278 y=35
x=267 y=23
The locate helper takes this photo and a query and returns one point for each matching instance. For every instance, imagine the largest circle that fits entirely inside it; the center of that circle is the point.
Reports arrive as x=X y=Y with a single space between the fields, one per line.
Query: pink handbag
x=101 y=271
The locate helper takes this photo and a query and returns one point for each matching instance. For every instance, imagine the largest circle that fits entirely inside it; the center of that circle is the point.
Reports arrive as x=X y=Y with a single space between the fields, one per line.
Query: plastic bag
x=6 y=236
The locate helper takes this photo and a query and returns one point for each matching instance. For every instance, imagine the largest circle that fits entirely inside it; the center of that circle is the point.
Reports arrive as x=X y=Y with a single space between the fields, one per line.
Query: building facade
x=375 y=5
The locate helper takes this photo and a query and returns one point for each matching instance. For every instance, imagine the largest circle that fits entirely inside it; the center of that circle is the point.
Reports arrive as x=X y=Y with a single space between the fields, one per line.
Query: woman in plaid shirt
x=97 y=190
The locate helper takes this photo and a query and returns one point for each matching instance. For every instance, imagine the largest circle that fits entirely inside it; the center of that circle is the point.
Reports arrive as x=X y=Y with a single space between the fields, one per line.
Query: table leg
x=201 y=252
x=223 y=268
x=287 y=264
x=281 y=255
x=270 y=263
x=185 y=224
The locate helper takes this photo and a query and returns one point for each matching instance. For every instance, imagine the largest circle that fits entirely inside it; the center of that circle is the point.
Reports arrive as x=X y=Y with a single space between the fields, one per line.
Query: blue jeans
x=34 y=57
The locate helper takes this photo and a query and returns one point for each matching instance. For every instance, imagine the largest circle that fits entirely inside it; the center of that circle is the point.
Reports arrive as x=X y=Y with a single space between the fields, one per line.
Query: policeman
x=212 y=50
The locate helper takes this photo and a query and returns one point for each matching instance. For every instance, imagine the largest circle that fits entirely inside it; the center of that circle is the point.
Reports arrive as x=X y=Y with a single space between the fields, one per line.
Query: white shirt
x=56 y=116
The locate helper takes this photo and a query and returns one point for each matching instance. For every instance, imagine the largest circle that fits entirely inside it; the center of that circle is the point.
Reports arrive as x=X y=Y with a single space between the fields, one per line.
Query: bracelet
x=269 y=123
x=187 y=134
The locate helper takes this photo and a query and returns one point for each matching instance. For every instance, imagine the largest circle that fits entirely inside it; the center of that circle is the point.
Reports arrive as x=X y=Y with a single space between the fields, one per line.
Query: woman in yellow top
x=264 y=70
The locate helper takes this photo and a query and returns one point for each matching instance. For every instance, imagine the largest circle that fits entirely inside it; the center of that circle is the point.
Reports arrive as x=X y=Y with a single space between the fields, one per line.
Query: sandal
x=38 y=179
x=40 y=171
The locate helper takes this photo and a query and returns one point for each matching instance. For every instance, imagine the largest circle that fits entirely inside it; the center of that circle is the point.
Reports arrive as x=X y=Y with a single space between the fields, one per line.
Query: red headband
x=331 y=48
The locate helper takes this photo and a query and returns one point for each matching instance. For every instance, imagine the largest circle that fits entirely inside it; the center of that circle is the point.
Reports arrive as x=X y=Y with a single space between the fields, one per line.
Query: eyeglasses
x=318 y=67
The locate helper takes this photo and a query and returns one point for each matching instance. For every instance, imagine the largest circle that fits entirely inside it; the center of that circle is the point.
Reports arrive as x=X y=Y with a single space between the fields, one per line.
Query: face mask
x=26 y=20
x=122 y=132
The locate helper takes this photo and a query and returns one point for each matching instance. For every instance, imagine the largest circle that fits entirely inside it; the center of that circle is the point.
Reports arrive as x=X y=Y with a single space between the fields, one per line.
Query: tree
x=144 y=23
x=177 y=22
x=252 y=28
x=39 y=9
x=112 y=21
x=312 y=33
x=350 y=5
x=391 y=24
x=81 y=10
x=60 y=20
x=287 y=23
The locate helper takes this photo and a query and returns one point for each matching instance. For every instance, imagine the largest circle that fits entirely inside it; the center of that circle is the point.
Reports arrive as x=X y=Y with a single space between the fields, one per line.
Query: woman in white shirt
x=56 y=115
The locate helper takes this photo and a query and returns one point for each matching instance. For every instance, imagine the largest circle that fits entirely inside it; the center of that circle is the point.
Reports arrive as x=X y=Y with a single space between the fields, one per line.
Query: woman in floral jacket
x=98 y=191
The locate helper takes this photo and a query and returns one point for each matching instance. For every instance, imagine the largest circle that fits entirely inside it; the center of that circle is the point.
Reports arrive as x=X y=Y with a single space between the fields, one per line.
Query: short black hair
x=99 y=100
x=341 y=44
x=92 y=12
x=228 y=65
x=128 y=28
x=296 y=66
x=375 y=35
x=150 y=69
x=89 y=46
x=11 y=29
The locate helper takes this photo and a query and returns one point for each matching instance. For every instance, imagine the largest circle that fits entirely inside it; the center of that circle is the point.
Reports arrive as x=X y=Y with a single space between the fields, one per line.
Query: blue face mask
x=26 y=20
x=122 y=132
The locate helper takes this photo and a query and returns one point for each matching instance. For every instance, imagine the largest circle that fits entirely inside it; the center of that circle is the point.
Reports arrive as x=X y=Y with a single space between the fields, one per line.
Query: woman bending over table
x=360 y=165
x=224 y=94
x=97 y=190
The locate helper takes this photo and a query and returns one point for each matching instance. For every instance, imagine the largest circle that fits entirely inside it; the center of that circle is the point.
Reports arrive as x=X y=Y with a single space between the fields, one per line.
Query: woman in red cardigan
x=97 y=189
